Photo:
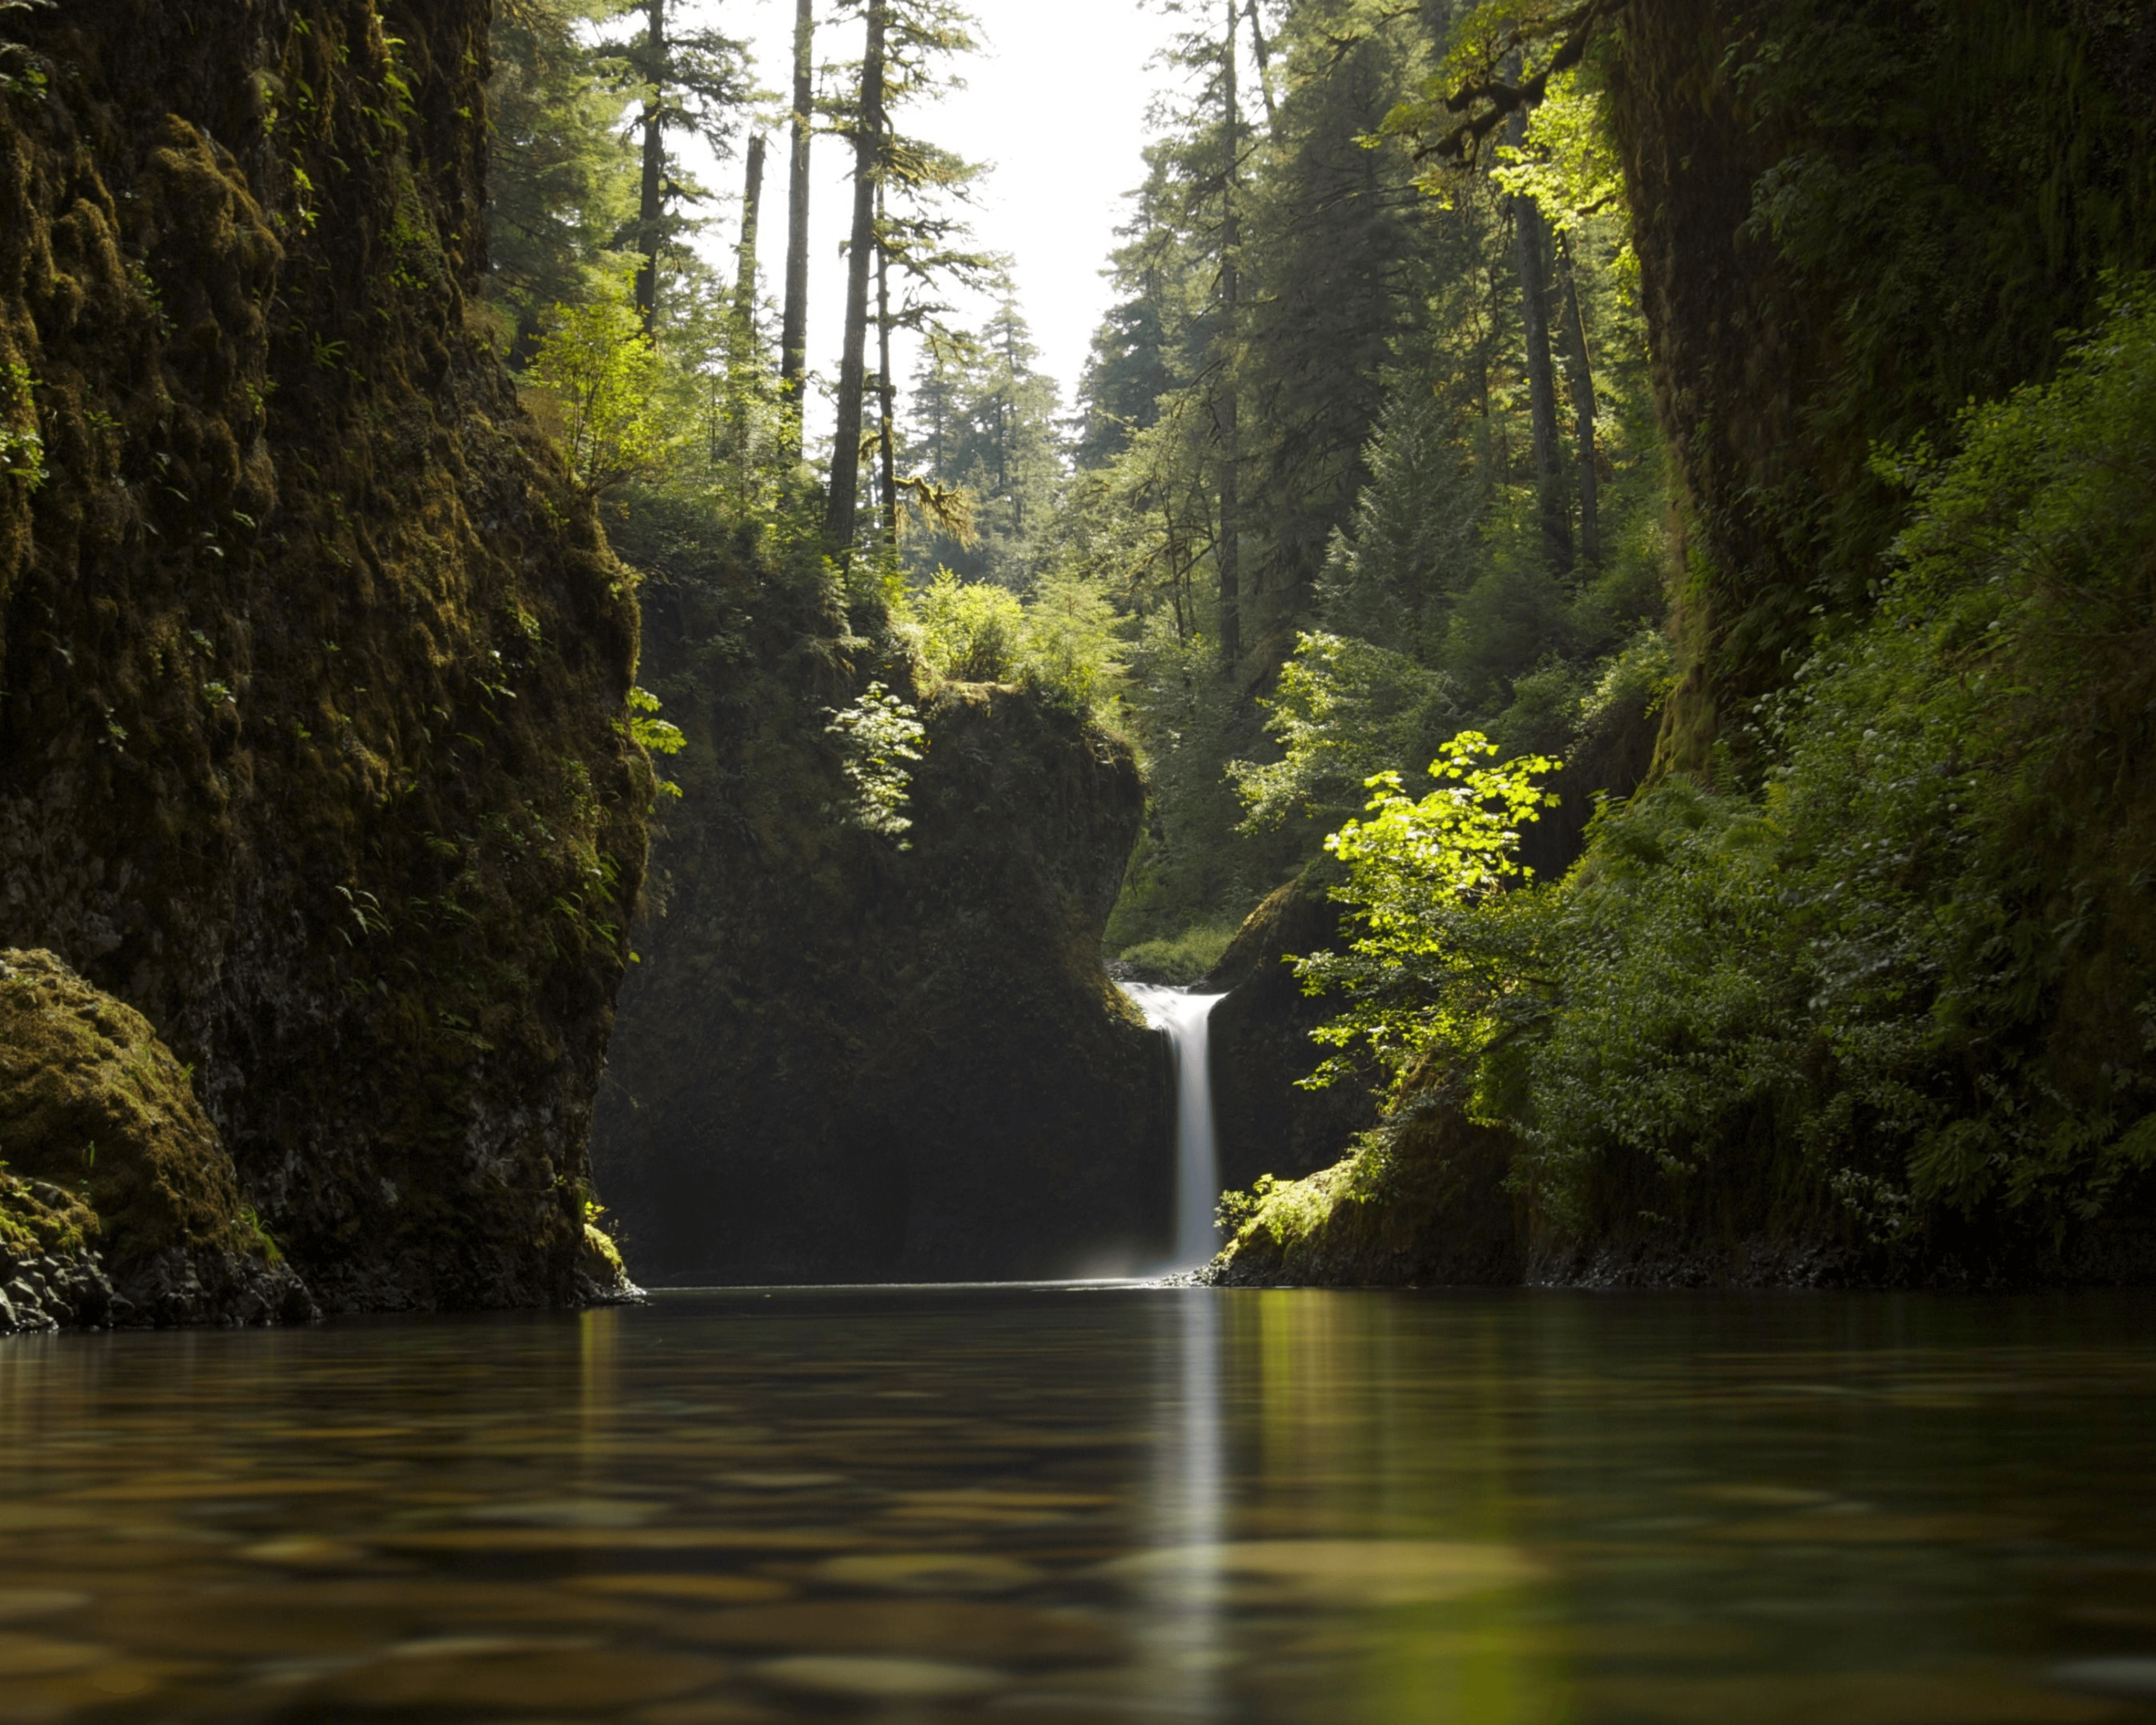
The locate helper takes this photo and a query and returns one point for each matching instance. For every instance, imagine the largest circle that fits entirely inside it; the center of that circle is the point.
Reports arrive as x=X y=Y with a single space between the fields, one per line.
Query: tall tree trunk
x=742 y=342
x=1230 y=554
x=842 y=507
x=651 y=206
x=1265 y=69
x=886 y=391
x=793 y=335
x=1581 y=362
x=752 y=221
x=1531 y=261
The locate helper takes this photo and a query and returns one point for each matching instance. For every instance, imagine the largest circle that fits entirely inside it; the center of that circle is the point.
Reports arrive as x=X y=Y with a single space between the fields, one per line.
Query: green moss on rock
x=110 y=1152
x=314 y=667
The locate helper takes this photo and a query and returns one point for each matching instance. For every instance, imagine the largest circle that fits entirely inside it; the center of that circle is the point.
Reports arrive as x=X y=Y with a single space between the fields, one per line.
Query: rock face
x=1429 y=1208
x=1262 y=1049
x=118 y=1204
x=842 y=1059
x=314 y=665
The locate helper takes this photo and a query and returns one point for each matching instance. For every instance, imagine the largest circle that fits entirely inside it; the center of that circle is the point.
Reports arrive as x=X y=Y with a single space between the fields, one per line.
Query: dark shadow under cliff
x=852 y=1056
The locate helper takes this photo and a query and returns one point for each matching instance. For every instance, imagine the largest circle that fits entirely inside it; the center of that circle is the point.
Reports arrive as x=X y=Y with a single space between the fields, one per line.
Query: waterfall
x=1185 y=1016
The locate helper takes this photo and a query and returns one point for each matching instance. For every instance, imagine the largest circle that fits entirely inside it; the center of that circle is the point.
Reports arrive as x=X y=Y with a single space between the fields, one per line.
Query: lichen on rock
x=118 y=1202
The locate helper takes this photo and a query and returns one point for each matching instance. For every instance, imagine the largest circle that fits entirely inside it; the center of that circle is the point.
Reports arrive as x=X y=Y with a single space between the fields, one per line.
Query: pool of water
x=1107 y=1504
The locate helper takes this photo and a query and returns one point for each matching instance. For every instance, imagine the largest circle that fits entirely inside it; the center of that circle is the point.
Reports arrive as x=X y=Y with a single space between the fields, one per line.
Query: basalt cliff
x=313 y=665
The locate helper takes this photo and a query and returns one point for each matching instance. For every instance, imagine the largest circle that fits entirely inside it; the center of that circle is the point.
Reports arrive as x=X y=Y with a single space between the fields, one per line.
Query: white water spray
x=1185 y=1017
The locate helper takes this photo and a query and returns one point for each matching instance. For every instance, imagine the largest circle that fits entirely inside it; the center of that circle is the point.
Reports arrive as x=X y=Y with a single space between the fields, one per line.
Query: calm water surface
x=1049 y=1505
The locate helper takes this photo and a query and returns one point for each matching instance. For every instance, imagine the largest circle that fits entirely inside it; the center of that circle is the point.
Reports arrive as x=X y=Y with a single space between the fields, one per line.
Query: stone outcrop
x=118 y=1202
x=313 y=665
x=852 y=1055
x=1260 y=1048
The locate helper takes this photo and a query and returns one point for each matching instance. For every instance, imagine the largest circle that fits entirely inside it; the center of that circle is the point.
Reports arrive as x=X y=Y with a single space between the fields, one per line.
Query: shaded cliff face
x=312 y=666
x=843 y=1060
x=1853 y=217
x=1260 y=1043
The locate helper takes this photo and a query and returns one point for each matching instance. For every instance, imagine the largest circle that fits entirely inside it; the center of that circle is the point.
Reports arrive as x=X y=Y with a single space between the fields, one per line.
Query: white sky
x=1056 y=101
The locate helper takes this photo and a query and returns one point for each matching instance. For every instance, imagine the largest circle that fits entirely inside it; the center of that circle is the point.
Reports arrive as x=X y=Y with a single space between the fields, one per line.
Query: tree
x=561 y=186
x=841 y=502
x=688 y=82
x=901 y=226
x=601 y=371
x=793 y=338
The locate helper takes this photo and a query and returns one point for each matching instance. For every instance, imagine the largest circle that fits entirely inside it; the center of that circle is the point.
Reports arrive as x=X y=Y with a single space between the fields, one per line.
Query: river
x=1110 y=1504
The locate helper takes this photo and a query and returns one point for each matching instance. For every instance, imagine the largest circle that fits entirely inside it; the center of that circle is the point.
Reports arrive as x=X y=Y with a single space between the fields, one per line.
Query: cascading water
x=1185 y=1017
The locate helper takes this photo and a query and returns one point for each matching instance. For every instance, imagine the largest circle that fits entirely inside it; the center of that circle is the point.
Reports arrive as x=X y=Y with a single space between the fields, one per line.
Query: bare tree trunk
x=742 y=342
x=752 y=220
x=1582 y=407
x=1265 y=69
x=886 y=391
x=1229 y=556
x=1530 y=259
x=793 y=337
x=651 y=206
x=842 y=507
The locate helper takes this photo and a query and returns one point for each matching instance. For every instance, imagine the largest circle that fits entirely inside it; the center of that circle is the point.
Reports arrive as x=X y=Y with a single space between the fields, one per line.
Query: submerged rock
x=860 y=1055
x=118 y=1202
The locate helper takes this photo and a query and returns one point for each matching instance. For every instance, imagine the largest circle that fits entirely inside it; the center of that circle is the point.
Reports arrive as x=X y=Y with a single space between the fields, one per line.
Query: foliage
x=1911 y=973
x=1180 y=960
x=601 y=373
x=971 y=632
x=880 y=737
x=1437 y=971
x=1343 y=711
x=653 y=735
x=1060 y=641
x=562 y=185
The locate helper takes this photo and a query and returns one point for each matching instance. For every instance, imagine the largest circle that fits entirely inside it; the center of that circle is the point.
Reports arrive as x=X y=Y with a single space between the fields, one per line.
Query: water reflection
x=1049 y=1504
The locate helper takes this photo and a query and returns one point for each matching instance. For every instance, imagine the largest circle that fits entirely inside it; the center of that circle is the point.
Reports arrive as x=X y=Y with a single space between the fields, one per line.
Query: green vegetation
x=1868 y=962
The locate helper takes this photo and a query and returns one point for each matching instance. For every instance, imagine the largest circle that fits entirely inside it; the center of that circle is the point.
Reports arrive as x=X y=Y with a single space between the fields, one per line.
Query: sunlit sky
x=1056 y=100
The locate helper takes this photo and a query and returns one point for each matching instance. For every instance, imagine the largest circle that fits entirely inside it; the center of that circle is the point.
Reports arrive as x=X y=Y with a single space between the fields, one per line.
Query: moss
x=314 y=666
x=1420 y=1200
x=91 y=1101
x=38 y=1220
x=1183 y=959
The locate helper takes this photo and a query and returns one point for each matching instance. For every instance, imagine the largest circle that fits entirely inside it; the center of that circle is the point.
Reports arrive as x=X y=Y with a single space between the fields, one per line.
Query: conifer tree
x=801 y=129
x=684 y=81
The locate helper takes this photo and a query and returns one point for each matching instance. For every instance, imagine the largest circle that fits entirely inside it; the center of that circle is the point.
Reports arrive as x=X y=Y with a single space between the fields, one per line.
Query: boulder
x=119 y=1203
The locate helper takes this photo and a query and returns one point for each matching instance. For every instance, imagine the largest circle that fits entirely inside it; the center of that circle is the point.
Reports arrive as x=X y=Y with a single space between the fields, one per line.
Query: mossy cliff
x=1852 y=218
x=852 y=1055
x=118 y=1204
x=1857 y=989
x=314 y=666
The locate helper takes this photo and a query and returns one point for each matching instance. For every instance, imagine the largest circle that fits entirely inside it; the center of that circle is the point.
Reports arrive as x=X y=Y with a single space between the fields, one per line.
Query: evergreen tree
x=689 y=82
x=563 y=187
